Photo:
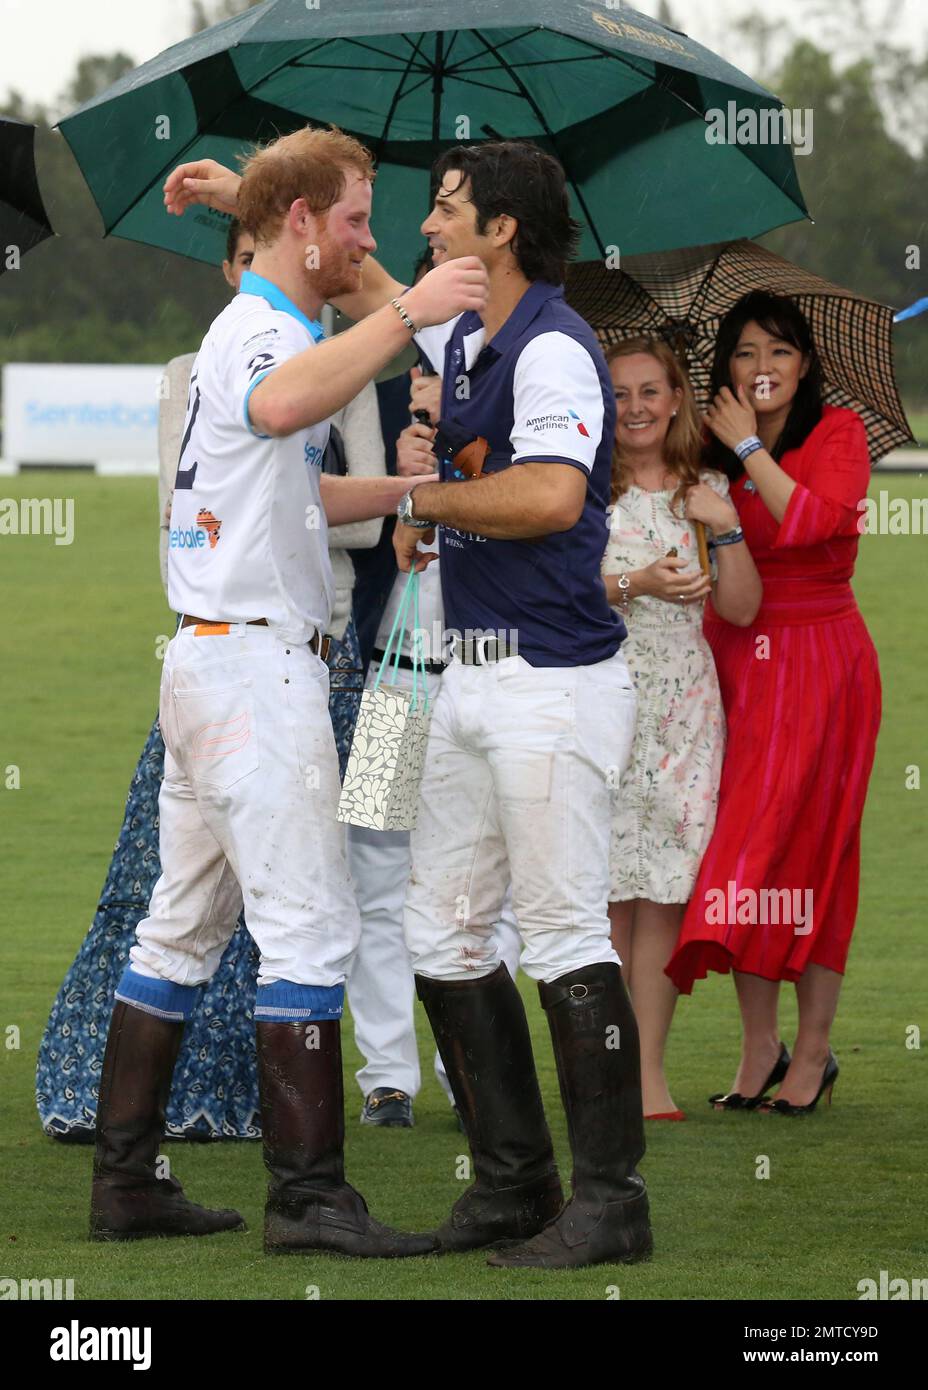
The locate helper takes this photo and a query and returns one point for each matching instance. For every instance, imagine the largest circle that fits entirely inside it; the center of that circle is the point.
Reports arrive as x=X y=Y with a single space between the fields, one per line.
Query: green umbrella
x=620 y=99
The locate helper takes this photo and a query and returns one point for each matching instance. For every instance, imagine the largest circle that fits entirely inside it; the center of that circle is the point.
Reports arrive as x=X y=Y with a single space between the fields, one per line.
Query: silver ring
x=579 y=991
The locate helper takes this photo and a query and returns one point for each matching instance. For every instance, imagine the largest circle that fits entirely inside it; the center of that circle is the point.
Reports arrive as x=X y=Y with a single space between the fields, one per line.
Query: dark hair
x=782 y=318
x=232 y=238
x=518 y=178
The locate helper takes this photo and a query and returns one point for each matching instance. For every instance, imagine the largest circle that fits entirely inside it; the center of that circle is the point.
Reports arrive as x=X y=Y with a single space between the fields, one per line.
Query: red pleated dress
x=778 y=886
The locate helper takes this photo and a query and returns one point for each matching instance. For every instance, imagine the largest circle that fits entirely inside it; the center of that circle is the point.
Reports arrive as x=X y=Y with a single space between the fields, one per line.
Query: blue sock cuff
x=162 y=998
x=286 y=1002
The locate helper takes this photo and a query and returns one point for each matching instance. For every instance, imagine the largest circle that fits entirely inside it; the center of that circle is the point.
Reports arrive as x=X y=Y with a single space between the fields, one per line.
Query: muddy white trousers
x=247 y=812
x=519 y=773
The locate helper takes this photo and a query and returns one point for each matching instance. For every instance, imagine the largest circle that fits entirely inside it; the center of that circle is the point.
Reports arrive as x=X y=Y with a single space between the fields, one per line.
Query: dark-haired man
x=533 y=724
x=526 y=738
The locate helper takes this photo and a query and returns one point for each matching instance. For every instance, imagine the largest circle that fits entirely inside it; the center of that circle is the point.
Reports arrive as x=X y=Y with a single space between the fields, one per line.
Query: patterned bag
x=381 y=786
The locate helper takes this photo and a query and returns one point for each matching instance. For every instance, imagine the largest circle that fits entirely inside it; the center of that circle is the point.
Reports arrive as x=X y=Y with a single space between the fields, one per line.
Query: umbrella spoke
x=551 y=136
x=543 y=62
x=513 y=38
x=397 y=95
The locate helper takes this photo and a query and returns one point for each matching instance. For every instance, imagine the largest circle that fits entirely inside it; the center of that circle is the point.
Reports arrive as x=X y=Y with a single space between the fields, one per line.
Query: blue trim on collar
x=266 y=289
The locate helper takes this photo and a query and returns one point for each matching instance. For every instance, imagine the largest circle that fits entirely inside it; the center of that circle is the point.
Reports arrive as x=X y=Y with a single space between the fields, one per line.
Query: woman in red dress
x=776 y=894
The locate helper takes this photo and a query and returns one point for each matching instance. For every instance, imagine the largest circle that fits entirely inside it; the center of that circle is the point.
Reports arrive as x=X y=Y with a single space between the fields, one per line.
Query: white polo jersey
x=248 y=536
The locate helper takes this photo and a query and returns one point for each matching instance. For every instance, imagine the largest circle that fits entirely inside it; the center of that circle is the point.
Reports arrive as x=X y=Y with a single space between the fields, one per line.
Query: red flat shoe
x=667 y=1115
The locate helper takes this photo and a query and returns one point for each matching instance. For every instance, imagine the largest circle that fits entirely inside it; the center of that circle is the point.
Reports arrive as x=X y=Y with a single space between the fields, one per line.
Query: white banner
x=79 y=414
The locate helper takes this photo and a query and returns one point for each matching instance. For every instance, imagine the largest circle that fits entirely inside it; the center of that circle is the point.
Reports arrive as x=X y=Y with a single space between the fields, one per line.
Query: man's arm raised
x=311 y=386
x=209 y=182
x=378 y=287
x=204 y=181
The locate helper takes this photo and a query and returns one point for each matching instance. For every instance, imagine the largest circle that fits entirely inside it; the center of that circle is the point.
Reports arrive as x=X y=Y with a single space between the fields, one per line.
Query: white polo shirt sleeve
x=263 y=340
x=434 y=340
x=557 y=403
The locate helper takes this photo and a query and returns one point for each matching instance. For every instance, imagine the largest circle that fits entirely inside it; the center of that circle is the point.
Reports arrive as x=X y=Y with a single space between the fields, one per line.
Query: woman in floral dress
x=664 y=809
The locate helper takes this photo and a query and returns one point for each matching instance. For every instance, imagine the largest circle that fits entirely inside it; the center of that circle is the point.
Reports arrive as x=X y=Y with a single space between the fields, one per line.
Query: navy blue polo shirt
x=539 y=392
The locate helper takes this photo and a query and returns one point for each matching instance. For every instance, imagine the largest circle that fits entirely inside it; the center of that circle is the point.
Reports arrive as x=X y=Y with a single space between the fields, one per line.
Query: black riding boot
x=483 y=1039
x=129 y=1200
x=595 y=1040
x=310 y=1206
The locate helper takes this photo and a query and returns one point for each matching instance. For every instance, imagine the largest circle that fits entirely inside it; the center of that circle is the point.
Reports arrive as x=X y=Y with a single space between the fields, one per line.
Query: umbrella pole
x=439 y=84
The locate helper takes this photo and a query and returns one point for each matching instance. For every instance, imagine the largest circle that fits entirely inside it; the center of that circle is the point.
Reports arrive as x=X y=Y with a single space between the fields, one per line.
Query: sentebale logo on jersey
x=205 y=531
x=186 y=538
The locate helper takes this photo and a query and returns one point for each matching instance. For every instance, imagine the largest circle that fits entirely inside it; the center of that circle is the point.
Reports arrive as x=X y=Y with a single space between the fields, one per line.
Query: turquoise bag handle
x=397 y=632
x=418 y=661
x=398 y=622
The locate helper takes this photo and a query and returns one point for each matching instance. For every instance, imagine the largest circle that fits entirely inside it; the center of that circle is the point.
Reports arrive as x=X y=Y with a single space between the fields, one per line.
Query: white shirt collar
x=473 y=346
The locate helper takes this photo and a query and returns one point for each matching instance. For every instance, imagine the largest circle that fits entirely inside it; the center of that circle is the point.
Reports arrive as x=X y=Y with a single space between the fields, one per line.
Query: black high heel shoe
x=736 y=1101
x=785 y=1107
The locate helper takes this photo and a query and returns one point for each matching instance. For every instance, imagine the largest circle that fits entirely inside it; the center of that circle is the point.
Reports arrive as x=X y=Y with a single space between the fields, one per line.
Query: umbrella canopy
x=23 y=220
x=682 y=296
x=620 y=99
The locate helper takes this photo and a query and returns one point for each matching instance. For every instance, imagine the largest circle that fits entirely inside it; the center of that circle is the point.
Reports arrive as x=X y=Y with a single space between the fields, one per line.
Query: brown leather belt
x=318 y=644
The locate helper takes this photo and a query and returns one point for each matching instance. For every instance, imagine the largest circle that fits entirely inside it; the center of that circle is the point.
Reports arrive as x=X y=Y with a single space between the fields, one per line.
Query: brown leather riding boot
x=595 y=1038
x=310 y=1206
x=483 y=1038
x=129 y=1201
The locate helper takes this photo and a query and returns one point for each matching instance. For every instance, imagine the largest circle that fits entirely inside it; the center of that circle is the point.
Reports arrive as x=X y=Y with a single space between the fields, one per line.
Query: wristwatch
x=404 y=512
x=624 y=584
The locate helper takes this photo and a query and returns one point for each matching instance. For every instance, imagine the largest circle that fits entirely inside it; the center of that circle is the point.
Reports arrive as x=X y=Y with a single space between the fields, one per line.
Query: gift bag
x=381 y=786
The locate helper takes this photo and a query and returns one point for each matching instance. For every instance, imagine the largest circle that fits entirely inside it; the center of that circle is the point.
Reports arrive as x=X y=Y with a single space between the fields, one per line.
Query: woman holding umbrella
x=776 y=896
x=665 y=809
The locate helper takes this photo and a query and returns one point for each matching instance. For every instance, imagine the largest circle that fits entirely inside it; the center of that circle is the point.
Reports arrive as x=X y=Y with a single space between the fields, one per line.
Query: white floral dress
x=663 y=811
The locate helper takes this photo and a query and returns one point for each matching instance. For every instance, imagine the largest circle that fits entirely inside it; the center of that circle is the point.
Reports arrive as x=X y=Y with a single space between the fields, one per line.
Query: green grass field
x=845 y=1196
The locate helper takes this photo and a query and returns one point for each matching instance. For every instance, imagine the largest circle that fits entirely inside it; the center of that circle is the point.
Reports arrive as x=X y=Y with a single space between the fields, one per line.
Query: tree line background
x=83 y=299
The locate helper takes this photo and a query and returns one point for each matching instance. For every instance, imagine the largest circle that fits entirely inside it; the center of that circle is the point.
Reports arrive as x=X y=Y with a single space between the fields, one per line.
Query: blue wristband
x=750 y=445
x=728 y=537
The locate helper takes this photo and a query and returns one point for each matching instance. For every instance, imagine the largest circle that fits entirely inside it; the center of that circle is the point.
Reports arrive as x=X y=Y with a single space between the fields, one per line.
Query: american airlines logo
x=540 y=424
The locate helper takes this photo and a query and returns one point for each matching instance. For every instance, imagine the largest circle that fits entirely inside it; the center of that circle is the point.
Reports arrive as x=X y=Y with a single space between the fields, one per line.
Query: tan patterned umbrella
x=683 y=296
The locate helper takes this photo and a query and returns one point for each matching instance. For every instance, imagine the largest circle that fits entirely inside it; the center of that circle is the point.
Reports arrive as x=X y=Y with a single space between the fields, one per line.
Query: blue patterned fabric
x=346 y=685
x=214 y=1094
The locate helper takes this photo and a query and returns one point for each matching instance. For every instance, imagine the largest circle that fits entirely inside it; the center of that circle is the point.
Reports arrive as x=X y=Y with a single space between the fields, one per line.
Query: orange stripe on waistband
x=211 y=630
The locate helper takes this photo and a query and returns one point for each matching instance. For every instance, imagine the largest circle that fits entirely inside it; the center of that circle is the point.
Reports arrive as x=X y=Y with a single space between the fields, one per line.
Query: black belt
x=434 y=667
